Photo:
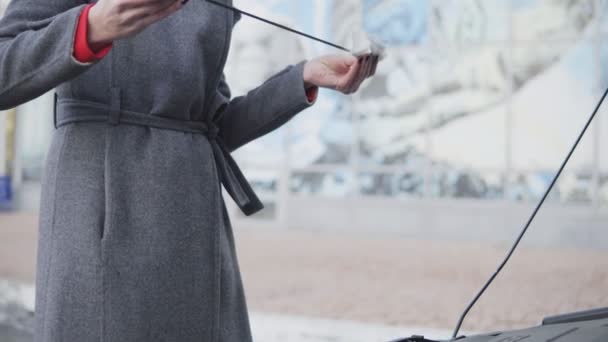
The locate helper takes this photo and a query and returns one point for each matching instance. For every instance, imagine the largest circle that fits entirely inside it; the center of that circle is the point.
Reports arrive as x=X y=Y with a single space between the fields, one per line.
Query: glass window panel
x=469 y=106
x=530 y=186
x=312 y=17
x=469 y=22
x=33 y=134
x=450 y=182
x=601 y=120
x=576 y=187
x=392 y=110
x=324 y=134
x=258 y=51
x=603 y=190
x=334 y=184
x=555 y=92
x=268 y=150
x=570 y=188
x=401 y=184
x=264 y=182
x=542 y=20
x=397 y=22
x=600 y=17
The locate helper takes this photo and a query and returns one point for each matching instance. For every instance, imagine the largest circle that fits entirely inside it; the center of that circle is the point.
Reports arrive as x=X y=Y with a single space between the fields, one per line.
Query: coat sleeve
x=82 y=50
x=263 y=109
x=36 y=48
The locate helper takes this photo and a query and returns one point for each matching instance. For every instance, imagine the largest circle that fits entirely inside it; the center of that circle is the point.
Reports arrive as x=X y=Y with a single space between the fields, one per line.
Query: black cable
x=278 y=25
x=504 y=262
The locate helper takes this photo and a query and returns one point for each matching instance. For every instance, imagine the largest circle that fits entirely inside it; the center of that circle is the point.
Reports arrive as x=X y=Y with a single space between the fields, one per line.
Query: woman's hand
x=340 y=72
x=114 y=19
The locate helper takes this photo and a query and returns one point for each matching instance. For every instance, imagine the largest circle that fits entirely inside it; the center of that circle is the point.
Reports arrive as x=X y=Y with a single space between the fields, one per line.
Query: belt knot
x=212 y=131
x=73 y=110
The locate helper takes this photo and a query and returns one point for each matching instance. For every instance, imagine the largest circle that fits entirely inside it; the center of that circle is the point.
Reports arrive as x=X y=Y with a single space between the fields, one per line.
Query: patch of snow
x=269 y=327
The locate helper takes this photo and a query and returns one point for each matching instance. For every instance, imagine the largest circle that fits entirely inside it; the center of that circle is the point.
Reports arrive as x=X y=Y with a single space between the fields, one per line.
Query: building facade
x=470 y=114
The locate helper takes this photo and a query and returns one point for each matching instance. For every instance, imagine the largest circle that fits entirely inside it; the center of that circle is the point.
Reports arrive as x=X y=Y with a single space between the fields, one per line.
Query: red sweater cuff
x=82 y=50
x=311 y=93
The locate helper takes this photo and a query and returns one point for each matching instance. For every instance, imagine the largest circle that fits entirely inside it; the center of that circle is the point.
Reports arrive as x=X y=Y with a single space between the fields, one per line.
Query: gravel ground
x=419 y=283
x=382 y=280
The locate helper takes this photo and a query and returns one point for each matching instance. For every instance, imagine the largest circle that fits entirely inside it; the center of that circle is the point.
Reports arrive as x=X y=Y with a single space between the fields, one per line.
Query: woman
x=135 y=243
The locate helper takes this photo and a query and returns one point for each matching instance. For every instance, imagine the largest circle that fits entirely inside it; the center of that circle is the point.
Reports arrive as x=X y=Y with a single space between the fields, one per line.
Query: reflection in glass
x=555 y=91
x=34 y=128
x=542 y=20
x=337 y=183
x=257 y=52
x=469 y=22
x=322 y=135
x=397 y=22
x=392 y=111
x=469 y=104
x=264 y=182
x=265 y=151
x=576 y=187
x=407 y=184
x=447 y=181
x=570 y=188
x=530 y=186
x=603 y=190
x=602 y=15
x=601 y=120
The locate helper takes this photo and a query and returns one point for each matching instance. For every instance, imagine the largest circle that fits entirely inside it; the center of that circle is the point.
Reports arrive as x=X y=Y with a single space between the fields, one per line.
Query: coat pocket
x=105 y=217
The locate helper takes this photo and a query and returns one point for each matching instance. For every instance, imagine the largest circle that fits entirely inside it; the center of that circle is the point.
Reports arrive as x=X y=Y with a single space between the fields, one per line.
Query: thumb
x=349 y=60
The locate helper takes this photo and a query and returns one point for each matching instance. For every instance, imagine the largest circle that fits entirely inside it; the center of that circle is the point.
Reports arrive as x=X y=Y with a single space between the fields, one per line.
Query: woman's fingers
x=369 y=63
x=114 y=19
x=162 y=12
x=339 y=73
x=349 y=77
x=357 y=75
x=131 y=7
x=147 y=13
x=364 y=61
x=375 y=61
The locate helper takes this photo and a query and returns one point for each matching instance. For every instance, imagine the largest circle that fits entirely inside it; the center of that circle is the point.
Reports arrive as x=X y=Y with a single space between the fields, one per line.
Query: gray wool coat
x=135 y=243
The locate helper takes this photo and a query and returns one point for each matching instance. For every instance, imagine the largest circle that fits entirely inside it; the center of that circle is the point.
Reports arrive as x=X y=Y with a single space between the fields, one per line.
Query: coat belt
x=67 y=110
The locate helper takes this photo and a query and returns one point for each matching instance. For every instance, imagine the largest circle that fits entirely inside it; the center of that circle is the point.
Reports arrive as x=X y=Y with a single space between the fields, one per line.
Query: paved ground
x=9 y=334
x=382 y=280
x=18 y=246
